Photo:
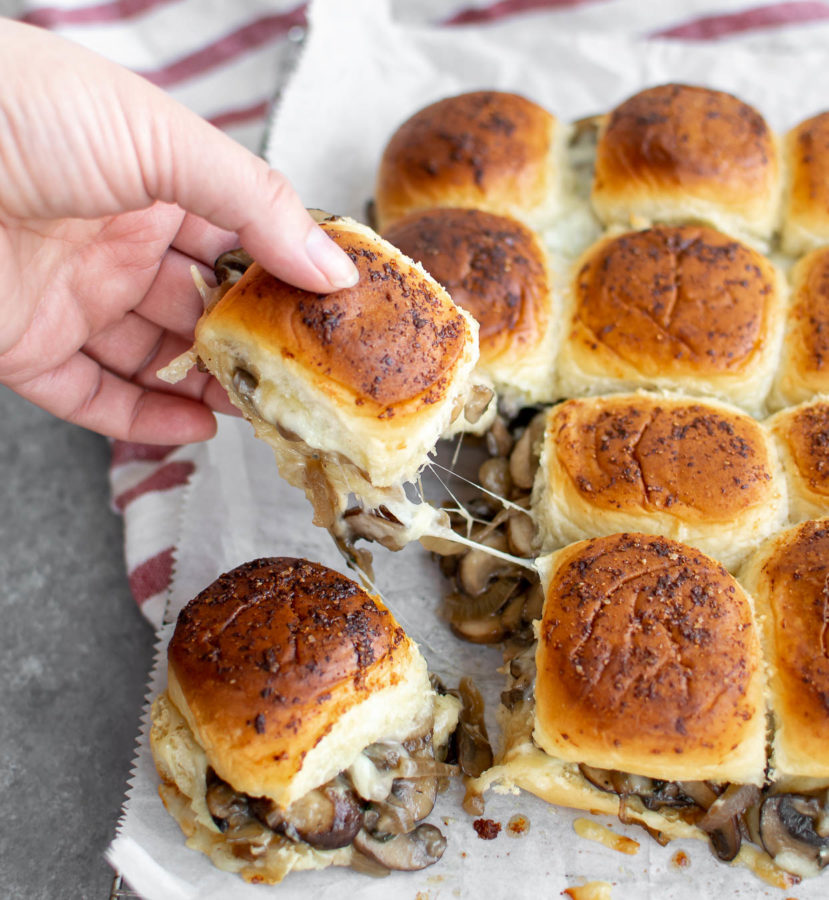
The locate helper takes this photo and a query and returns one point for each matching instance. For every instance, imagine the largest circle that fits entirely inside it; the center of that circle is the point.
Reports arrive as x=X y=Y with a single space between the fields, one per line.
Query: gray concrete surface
x=74 y=658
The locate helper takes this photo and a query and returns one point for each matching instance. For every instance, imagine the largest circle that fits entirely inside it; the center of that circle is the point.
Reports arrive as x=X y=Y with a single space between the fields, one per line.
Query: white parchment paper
x=359 y=76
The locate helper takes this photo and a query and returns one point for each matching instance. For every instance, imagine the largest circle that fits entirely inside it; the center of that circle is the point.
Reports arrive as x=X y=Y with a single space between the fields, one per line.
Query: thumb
x=126 y=144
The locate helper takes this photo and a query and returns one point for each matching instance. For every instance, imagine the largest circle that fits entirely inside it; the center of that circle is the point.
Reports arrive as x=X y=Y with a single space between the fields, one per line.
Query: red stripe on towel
x=172 y=475
x=152 y=576
x=759 y=17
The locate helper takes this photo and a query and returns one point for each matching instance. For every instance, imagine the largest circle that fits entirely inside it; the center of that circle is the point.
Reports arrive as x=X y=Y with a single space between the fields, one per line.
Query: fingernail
x=331 y=260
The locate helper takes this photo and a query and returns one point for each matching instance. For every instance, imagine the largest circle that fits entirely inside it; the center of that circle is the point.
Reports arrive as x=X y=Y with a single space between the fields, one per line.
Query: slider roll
x=788 y=579
x=497 y=270
x=299 y=728
x=701 y=472
x=489 y=150
x=802 y=436
x=679 y=153
x=648 y=662
x=684 y=308
x=375 y=372
x=806 y=207
x=804 y=361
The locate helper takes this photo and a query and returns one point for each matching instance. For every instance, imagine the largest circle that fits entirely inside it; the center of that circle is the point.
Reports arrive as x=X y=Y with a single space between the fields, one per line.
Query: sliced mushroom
x=326 y=818
x=788 y=826
x=418 y=795
x=495 y=477
x=499 y=441
x=472 y=746
x=477 y=568
x=244 y=382
x=523 y=460
x=477 y=403
x=730 y=804
x=228 y=808
x=726 y=840
x=599 y=778
x=521 y=534
x=406 y=852
x=701 y=792
x=232 y=265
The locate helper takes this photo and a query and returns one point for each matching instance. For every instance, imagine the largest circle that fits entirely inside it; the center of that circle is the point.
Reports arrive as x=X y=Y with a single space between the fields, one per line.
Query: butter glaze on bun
x=787 y=578
x=675 y=307
x=487 y=150
x=285 y=670
x=497 y=270
x=681 y=153
x=804 y=360
x=649 y=662
x=806 y=208
x=802 y=435
x=700 y=472
x=375 y=372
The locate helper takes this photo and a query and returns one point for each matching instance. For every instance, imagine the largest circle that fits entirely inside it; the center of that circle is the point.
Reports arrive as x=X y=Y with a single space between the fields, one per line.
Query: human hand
x=109 y=192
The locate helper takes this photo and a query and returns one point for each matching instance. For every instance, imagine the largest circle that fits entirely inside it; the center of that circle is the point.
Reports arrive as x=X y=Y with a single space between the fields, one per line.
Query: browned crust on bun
x=492 y=266
x=266 y=658
x=649 y=662
x=695 y=460
x=805 y=364
x=674 y=301
x=806 y=214
x=483 y=149
x=806 y=433
x=390 y=341
x=677 y=144
x=789 y=578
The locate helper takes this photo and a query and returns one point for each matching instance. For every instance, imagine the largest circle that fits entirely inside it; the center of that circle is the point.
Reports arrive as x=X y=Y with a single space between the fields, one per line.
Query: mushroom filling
x=792 y=828
x=375 y=806
x=492 y=599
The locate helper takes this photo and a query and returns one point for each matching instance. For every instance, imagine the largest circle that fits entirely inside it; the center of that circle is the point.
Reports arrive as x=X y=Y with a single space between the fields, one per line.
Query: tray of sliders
x=570 y=432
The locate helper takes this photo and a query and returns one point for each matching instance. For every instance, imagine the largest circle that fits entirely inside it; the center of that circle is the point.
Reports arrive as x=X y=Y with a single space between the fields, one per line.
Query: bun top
x=679 y=144
x=388 y=345
x=804 y=432
x=788 y=578
x=265 y=660
x=806 y=216
x=492 y=266
x=697 y=461
x=807 y=341
x=677 y=300
x=484 y=149
x=649 y=662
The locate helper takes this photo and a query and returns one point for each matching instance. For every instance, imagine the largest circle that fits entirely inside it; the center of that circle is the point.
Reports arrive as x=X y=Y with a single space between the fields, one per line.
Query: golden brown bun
x=788 y=579
x=695 y=471
x=806 y=208
x=375 y=373
x=497 y=270
x=285 y=670
x=649 y=662
x=681 y=153
x=802 y=435
x=681 y=307
x=486 y=150
x=804 y=362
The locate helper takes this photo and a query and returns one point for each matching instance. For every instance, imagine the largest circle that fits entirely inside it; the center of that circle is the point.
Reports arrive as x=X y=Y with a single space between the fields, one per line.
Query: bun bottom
x=524 y=766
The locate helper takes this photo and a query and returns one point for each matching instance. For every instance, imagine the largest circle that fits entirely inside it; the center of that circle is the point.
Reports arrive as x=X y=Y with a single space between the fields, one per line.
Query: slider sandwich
x=299 y=728
x=678 y=153
x=698 y=471
x=806 y=204
x=352 y=389
x=673 y=308
x=802 y=436
x=496 y=269
x=645 y=696
x=803 y=371
x=490 y=150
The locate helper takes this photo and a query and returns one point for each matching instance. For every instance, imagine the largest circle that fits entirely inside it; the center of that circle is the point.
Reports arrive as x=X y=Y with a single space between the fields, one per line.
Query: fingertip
x=330 y=260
